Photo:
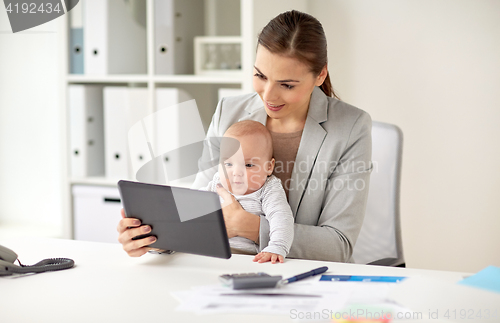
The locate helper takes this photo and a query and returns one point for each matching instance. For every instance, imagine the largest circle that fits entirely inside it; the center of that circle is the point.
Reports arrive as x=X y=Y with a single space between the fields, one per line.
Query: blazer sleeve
x=343 y=203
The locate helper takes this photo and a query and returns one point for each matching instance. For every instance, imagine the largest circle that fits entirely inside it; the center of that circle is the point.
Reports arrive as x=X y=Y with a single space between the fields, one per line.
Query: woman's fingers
x=127 y=223
x=130 y=233
x=136 y=248
x=228 y=198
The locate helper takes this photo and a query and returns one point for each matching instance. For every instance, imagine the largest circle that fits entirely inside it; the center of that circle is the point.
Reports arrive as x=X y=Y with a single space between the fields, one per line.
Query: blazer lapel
x=259 y=115
x=256 y=111
x=310 y=145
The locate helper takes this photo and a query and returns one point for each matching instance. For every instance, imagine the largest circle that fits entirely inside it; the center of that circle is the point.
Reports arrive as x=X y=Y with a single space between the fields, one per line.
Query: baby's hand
x=267 y=256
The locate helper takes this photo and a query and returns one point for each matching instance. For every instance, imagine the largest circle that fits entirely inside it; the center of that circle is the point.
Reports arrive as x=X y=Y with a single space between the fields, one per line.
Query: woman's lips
x=274 y=107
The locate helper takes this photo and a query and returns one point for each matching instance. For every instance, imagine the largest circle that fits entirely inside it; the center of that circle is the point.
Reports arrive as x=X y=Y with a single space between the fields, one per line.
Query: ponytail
x=327 y=87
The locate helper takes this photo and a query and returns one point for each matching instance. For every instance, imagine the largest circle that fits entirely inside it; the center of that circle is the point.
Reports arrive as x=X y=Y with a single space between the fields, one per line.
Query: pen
x=313 y=272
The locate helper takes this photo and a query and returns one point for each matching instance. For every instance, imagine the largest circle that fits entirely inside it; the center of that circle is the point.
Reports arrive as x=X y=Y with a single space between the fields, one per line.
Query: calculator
x=249 y=280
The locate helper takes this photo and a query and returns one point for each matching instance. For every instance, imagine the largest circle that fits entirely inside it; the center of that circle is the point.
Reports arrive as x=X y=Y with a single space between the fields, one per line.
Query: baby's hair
x=250 y=127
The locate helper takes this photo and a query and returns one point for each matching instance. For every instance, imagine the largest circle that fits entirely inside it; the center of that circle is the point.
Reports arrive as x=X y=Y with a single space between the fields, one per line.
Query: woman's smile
x=274 y=107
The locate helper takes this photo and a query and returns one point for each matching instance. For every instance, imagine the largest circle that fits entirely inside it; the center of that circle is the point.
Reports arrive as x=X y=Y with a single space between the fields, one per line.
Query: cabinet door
x=96 y=213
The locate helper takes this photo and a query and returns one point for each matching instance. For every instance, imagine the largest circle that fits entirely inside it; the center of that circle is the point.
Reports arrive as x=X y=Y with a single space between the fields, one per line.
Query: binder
x=123 y=107
x=139 y=151
x=115 y=126
x=76 y=49
x=86 y=130
x=177 y=22
x=179 y=135
x=114 y=39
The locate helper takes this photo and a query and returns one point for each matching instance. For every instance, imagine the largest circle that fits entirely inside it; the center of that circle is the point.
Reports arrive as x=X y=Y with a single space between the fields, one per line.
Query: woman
x=322 y=145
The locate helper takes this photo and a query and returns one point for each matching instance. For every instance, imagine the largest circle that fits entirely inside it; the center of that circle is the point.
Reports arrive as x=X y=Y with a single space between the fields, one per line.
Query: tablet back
x=182 y=219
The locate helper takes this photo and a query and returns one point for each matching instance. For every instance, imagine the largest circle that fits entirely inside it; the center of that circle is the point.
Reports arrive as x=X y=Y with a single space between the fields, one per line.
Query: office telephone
x=8 y=257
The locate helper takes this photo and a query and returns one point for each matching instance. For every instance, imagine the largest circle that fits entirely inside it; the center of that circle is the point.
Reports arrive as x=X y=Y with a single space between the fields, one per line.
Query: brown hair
x=299 y=35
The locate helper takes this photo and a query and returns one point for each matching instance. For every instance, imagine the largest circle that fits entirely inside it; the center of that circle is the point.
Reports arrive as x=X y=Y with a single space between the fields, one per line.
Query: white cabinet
x=96 y=211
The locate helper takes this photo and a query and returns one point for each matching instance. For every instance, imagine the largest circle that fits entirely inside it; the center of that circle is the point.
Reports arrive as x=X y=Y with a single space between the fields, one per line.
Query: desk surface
x=108 y=286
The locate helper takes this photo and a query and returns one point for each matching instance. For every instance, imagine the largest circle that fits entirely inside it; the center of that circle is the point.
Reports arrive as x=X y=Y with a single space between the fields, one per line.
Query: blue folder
x=375 y=279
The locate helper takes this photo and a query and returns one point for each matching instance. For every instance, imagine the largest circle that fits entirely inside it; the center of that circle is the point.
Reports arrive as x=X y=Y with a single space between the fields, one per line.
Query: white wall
x=433 y=68
x=30 y=160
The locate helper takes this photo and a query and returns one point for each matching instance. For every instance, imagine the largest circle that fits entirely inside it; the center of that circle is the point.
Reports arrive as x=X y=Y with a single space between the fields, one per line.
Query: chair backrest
x=380 y=235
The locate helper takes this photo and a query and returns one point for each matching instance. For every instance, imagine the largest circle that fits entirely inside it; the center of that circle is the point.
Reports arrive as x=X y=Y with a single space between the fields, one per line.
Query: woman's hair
x=301 y=36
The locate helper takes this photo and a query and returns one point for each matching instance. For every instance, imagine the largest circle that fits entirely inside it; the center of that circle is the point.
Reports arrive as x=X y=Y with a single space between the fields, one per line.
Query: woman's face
x=284 y=84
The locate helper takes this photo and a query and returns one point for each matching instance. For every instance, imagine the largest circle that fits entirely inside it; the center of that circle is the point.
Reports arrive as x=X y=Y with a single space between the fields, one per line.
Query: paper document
x=297 y=297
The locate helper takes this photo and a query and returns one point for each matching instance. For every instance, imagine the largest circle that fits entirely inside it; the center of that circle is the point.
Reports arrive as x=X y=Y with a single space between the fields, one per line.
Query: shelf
x=200 y=79
x=159 y=79
x=78 y=78
x=101 y=181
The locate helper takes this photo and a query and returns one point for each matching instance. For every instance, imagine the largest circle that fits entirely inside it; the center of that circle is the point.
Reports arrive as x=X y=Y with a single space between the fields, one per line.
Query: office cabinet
x=96 y=212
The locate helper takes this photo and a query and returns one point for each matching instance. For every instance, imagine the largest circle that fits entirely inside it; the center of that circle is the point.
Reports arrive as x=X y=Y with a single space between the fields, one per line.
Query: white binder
x=178 y=124
x=86 y=130
x=139 y=151
x=122 y=108
x=114 y=41
x=177 y=22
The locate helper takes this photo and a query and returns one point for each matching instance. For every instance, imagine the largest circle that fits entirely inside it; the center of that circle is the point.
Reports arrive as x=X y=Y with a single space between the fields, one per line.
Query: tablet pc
x=182 y=219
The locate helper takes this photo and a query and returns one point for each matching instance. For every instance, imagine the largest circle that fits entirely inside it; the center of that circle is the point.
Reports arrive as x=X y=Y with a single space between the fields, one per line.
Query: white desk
x=108 y=286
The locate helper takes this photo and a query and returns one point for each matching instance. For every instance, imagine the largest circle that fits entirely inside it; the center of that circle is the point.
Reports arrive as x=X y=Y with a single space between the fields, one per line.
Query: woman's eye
x=288 y=87
x=262 y=77
x=249 y=165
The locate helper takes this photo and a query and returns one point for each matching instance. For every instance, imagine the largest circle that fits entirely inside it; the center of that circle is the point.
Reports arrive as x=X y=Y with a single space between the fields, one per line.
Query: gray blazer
x=330 y=179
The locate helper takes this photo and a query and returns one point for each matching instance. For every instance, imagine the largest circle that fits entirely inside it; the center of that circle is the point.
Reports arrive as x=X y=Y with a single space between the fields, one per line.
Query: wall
x=30 y=160
x=433 y=68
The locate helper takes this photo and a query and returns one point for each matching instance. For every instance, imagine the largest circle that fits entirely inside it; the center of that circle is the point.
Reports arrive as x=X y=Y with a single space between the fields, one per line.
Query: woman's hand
x=238 y=221
x=129 y=228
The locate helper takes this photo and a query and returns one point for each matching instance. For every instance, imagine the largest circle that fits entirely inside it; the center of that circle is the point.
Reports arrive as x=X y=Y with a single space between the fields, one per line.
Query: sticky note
x=488 y=278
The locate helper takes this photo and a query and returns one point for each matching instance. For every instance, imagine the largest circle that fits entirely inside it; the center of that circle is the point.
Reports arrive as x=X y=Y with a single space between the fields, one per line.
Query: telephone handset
x=8 y=257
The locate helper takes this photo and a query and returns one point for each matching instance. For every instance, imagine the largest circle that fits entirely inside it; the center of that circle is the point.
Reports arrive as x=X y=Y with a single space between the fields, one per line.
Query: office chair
x=379 y=241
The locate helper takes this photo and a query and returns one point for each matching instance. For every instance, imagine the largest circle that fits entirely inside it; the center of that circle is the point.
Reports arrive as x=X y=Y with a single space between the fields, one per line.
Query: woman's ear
x=322 y=76
x=270 y=167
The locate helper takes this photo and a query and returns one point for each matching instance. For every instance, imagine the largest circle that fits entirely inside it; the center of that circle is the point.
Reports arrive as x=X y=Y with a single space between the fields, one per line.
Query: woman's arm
x=238 y=221
x=334 y=233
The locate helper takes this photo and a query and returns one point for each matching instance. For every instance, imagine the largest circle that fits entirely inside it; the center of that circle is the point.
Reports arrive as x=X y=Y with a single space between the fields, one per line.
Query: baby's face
x=246 y=171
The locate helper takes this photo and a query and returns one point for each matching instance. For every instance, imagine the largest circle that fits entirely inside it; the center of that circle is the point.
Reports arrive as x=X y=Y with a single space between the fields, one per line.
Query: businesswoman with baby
x=322 y=146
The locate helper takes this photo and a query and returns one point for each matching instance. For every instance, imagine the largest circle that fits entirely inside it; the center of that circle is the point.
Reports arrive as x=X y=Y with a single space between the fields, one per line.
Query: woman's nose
x=270 y=93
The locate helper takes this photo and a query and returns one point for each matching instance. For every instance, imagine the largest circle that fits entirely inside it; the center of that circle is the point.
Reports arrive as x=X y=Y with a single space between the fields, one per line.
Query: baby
x=245 y=170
